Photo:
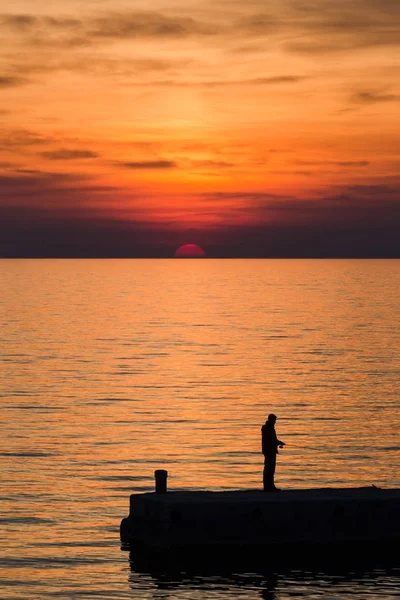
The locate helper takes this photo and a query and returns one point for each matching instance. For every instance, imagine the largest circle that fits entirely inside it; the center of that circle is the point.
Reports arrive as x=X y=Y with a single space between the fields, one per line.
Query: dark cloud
x=334 y=163
x=125 y=67
x=258 y=24
x=28 y=234
x=213 y=164
x=18 y=138
x=9 y=81
x=317 y=26
x=148 y=164
x=277 y=80
x=39 y=198
x=253 y=197
x=147 y=24
x=65 y=154
x=36 y=180
x=45 y=30
x=50 y=214
x=368 y=97
x=134 y=71
x=18 y=23
x=254 y=81
x=303 y=173
x=220 y=83
x=30 y=23
x=107 y=27
x=376 y=204
x=353 y=163
x=312 y=27
x=343 y=25
x=378 y=191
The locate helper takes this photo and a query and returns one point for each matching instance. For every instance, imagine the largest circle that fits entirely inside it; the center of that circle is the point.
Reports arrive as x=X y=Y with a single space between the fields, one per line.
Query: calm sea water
x=111 y=369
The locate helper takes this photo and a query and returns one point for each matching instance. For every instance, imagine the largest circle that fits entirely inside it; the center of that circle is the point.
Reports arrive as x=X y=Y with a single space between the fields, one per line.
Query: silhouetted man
x=270 y=445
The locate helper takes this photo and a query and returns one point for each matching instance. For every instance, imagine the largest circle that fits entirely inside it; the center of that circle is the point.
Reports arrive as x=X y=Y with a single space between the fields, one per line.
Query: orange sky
x=152 y=124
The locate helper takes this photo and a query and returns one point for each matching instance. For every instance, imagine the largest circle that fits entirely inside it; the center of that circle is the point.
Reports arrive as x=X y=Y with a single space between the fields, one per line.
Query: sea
x=111 y=369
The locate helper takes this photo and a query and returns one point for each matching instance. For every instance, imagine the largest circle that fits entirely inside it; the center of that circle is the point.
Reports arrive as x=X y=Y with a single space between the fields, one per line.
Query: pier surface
x=300 y=519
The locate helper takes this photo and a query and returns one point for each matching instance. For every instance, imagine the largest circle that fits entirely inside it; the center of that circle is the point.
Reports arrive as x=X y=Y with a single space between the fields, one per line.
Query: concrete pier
x=240 y=520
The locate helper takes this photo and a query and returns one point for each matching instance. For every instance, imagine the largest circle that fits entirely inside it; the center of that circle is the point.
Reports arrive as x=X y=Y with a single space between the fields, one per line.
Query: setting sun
x=190 y=251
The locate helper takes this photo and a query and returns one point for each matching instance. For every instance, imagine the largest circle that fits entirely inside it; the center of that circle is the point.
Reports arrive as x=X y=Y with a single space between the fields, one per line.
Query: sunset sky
x=255 y=128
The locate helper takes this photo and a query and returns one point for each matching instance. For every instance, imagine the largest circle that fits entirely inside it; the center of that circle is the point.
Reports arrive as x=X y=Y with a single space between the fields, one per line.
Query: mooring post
x=161 y=480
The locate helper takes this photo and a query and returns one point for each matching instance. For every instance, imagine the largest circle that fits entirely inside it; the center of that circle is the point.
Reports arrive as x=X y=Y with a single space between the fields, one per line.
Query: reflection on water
x=270 y=583
x=112 y=369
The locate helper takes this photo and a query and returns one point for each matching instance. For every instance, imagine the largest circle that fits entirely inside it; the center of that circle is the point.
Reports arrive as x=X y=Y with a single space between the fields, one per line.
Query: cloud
x=334 y=163
x=31 y=179
x=148 y=164
x=64 y=154
x=378 y=191
x=279 y=80
x=42 y=196
x=147 y=24
x=353 y=163
x=52 y=214
x=216 y=164
x=18 y=138
x=220 y=83
x=44 y=30
x=303 y=173
x=8 y=81
x=343 y=25
x=336 y=204
x=258 y=24
x=366 y=98
x=318 y=26
x=107 y=27
x=313 y=27
x=23 y=70
x=19 y=23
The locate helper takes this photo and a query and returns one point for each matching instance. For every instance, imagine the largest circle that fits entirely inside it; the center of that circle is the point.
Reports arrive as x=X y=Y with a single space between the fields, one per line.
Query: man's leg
x=269 y=471
x=273 y=466
x=265 y=474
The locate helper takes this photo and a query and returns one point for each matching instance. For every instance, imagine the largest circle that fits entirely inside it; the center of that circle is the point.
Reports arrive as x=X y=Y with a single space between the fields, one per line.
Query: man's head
x=271 y=418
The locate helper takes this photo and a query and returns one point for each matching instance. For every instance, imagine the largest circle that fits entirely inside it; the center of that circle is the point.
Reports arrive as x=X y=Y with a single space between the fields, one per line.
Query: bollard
x=161 y=481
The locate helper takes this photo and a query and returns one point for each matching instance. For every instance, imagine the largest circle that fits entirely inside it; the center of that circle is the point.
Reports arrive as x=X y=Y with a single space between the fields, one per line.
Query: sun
x=190 y=251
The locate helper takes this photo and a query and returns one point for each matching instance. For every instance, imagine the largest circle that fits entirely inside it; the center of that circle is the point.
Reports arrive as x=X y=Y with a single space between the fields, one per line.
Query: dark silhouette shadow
x=323 y=577
x=227 y=560
x=269 y=447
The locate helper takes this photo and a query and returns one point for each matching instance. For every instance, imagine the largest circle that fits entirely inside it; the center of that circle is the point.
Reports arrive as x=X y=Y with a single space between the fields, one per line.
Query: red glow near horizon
x=190 y=251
